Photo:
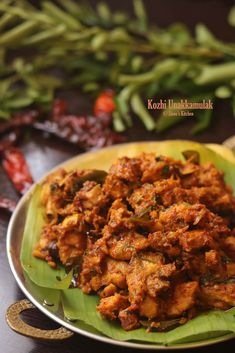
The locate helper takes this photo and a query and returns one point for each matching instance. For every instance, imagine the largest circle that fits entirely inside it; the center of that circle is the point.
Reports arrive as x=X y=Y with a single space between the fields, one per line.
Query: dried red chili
x=8 y=140
x=17 y=169
x=104 y=103
x=84 y=131
x=7 y=204
x=19 y=120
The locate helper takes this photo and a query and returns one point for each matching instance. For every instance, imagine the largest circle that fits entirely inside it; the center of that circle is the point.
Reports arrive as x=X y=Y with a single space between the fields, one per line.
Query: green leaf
x=6 y=19
x=71 y=7
x=167 y=66
x=61 y=16
x=223 y=92
x=99 y=40
x=117 y=122
x=212 y=74
x=141 y=111
x=141 y=15
x=79 y=306
x=5 y=86
x=104 y=13
x=207 y=39
x=18 y=102
x=50 y=298
x=231 y=16
x=5 y=115
x=123 y=109
x=203 y=121
x=16 y=34
x=166 y=119
x=45 y=35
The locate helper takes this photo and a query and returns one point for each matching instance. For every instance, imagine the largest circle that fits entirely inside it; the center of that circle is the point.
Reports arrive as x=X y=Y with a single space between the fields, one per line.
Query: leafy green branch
x=96 y=48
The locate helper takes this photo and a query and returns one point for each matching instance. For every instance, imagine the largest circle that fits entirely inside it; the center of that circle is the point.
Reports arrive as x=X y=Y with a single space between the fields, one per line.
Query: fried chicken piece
x=115 y=188
x=149 y=307
x=90 y=195
x=169 y=192
x=155 y=168
x=136 y=280
x=126 y=169
x=183 y=214
x=110 y=272
x=204 y=175
x=196 y=239
x=123 y=246
x=122 y=175
x=70 y=222
x=51 y=189
x=221 y=295
x=228 y=245
x=115 y=272
x=108 y=291
x=230 y=269
x=212 y=258
x=71 y=240
x=217 y=199
x=119 y=216
x=129 y=318
x=142 y=198
x=110 y=306
x=166 y=242
x=183 y=299
x=140 y=267
x=156 y=285
x=92 y=264
x=71 y=245
x=41 y=250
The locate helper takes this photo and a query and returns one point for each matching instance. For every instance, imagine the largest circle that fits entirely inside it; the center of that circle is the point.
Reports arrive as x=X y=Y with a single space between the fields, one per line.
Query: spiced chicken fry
x=153 y=237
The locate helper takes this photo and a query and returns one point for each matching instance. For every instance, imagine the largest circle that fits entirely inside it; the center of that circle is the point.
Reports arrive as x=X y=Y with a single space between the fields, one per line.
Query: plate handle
x=18 y=325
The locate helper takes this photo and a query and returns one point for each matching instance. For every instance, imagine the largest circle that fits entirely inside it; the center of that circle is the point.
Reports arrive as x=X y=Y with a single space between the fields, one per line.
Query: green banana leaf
x=50 y=298
x=79 y=306
x=43 y=280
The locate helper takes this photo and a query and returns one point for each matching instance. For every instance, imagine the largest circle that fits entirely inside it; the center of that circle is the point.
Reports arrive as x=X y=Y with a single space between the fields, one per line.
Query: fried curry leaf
x=95 y=175
x=193 y=156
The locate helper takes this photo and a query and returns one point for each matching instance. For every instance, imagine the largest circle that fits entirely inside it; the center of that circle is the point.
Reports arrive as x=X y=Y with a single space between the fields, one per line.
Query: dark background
x=44 y=153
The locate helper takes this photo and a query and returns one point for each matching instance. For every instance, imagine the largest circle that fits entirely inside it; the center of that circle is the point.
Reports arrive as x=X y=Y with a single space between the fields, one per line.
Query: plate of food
x=133 y=244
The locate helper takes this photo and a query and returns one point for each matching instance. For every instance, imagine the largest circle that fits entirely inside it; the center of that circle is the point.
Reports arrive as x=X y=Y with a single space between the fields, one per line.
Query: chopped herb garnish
x=165 y=170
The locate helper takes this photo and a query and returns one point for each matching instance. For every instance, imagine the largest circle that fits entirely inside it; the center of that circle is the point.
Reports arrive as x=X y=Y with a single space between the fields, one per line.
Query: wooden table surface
x=44 y=153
